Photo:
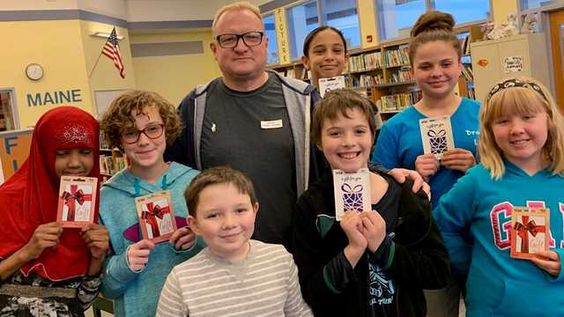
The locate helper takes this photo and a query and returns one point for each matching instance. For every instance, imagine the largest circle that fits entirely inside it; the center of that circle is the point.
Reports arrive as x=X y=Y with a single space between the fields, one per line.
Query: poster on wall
x=14 y=149
x=513 y=64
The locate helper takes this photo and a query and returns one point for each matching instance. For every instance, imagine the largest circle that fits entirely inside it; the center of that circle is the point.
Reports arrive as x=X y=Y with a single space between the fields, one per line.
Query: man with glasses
x=255 y=121
x=251 y=119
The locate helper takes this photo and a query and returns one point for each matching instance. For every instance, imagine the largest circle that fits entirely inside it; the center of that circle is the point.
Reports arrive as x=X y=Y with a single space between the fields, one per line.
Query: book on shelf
x=467 y=72
x=373 y=60
x=401 y=75
x=398 y=102
x=397 y=57
x=111 y=164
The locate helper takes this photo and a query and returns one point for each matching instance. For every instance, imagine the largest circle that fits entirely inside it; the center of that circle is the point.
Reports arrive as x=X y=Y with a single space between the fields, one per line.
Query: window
x=342 y=15
x=8 y=113
x=301 y=20
x=396 y=17
x=531 y=4
x=465 y=11
x=270 y=31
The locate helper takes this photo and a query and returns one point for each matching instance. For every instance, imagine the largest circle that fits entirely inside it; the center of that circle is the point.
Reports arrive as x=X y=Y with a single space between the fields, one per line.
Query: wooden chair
x=102 y=304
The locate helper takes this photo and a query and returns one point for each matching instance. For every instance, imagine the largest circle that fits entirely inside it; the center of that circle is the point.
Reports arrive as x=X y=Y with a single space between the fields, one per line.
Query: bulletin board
x=14 y=149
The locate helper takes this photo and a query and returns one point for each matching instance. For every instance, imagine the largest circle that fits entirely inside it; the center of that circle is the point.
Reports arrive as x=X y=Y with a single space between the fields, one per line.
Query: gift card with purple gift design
x=529 y=231
x=156 y=216
x=436 y=135
x=352 y=192
x=77 y=201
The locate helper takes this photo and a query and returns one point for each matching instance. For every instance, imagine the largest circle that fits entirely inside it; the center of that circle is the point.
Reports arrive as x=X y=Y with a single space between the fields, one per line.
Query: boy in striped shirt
x=234 y=275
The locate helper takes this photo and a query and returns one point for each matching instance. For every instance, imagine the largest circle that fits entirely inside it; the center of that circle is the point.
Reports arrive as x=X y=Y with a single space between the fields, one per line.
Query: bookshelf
x=111 y=160
x=383 y=73
x=292 y=70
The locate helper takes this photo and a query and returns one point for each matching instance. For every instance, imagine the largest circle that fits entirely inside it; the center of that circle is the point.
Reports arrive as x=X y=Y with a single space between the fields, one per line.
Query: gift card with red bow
x=156 y=216
x=529 y=231
x=77 y=201
x=352 y=192
x=436 y=135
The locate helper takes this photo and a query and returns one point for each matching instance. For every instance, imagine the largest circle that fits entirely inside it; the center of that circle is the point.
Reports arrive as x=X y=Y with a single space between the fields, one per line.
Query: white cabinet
x=494 y=60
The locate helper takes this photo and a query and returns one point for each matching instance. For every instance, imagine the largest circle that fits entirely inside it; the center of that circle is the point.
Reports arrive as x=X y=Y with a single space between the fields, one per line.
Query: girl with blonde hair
x=522 y=164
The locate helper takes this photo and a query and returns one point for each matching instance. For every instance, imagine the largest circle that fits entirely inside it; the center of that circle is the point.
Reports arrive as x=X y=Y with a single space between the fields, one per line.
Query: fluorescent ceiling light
x=106 y=35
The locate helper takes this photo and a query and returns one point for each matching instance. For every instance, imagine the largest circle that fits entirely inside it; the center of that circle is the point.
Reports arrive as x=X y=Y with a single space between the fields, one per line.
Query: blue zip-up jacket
x=137 y=293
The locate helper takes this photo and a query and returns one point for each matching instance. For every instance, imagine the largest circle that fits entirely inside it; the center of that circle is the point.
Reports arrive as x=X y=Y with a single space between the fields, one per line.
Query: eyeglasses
x=230 y=40
x=152 y=131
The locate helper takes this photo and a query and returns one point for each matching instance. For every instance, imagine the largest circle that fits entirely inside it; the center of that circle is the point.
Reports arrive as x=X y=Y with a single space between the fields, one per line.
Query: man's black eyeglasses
x=231 y=40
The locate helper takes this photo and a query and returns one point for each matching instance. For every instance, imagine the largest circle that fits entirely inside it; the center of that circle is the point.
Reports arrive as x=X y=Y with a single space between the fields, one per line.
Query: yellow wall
x=175 y=75
x=67 y=53
x=501 y=8
x=57 y=46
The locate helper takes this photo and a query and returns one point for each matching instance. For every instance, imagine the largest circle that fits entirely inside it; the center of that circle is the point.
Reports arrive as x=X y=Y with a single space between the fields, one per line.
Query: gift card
x=77 y=201
x=436 y=135
x=156 y=216
x=529 y=231
x=332 y=83
x=352 y=192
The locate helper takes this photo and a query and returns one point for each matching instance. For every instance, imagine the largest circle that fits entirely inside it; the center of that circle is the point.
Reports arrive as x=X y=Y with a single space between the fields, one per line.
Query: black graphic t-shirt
x=382 y=288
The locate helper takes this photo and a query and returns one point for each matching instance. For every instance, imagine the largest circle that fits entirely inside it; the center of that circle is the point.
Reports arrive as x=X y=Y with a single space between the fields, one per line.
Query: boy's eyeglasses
x=153 y=131
x=231 y=40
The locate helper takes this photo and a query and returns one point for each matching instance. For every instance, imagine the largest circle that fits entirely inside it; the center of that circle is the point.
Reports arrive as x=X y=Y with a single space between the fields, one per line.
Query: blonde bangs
x=516 y=101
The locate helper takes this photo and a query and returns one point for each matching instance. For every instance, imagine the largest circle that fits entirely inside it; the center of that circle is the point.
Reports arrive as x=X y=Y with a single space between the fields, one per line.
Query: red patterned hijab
x=29 y=197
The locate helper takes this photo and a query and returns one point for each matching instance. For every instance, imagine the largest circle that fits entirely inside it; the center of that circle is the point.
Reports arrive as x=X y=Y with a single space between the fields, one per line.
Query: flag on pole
x=111 y=50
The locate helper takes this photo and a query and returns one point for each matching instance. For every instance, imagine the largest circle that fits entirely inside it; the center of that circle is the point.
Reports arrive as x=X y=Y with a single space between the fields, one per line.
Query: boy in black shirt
x=373 y=263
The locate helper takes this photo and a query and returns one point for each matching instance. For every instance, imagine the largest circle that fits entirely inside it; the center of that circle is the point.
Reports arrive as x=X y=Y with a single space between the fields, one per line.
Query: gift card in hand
x=436 y=135
x=77 y=201
x=352 y=192
x=529 y=231
x=156 y=216
x=332 y=83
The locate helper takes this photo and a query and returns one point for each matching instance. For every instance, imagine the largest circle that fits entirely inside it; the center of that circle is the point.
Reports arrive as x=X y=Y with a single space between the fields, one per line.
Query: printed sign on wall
x=513 y=64
x=14 y=149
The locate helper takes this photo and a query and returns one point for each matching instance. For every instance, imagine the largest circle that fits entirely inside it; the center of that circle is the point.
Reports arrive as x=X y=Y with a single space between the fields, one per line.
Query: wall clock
x=34 y=71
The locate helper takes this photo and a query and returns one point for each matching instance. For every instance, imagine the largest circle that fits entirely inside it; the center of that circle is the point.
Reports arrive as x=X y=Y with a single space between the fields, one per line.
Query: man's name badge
x=77 y=201
x=272 y=124
x=436 y=135
x=352 y=192
x=156 y=216
x=332 y=83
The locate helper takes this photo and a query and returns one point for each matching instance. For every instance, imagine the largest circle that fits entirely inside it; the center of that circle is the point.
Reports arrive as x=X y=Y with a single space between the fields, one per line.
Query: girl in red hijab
x=46 y=270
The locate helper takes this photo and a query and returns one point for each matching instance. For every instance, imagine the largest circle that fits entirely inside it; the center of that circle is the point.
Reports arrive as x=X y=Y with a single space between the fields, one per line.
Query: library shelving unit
x=292 y=70
x=383 y=73
x=111 y=160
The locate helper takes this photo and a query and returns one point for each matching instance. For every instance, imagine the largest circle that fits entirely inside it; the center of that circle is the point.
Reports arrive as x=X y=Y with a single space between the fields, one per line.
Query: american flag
x=111 y=50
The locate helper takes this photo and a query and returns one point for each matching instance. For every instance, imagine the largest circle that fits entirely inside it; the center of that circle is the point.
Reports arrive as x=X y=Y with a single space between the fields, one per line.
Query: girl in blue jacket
x=141 y=124
x=522 y=164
